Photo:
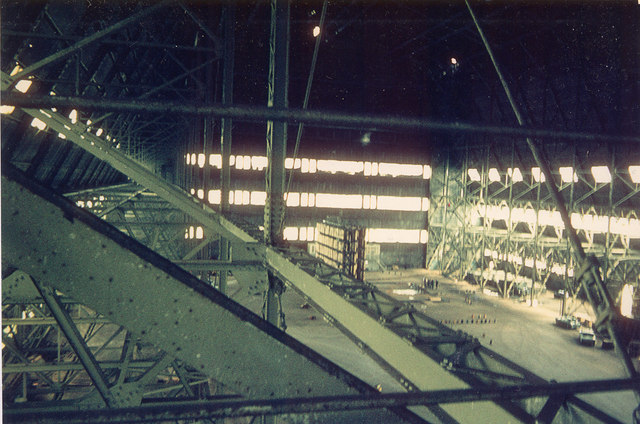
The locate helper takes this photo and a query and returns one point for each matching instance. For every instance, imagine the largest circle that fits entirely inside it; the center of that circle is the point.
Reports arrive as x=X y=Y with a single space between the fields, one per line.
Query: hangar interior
x=179 y=176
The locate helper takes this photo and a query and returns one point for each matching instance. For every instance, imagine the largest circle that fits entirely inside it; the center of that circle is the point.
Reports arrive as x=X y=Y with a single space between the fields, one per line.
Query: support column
x=276 y=145
x=226 y=126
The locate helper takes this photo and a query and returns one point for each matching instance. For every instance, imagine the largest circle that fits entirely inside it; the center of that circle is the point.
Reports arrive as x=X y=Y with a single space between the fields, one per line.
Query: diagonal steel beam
x=590 y=277
x=87 y=259
x=77 y=342
x=64 y=53
x=199 y=409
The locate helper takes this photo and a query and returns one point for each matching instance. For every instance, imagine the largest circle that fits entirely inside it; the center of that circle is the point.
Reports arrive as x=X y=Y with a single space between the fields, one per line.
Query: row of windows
x=311 y=166
x=373 y=235
x=321 y=200
x=601 y=174
x=598 y=224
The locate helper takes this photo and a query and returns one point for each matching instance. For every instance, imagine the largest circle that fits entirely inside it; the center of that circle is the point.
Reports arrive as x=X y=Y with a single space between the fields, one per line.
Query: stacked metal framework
x=342 y=247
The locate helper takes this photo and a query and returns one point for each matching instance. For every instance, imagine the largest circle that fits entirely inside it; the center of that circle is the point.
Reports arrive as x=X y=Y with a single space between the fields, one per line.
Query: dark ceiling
x=571 y=66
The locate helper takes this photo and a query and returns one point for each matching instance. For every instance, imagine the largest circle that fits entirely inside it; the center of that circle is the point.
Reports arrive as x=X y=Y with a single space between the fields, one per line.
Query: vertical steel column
x=536 y=232
x=445 y=210
x=589 y=272
x=226 y=130
x=276 y=144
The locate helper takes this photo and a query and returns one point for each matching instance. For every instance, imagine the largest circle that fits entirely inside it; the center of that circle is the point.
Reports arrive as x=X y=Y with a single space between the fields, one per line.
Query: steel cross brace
x=202 y=409
x=158 y=302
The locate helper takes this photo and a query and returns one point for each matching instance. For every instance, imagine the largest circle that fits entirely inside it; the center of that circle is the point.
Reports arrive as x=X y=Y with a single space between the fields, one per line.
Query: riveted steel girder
x=80 y=255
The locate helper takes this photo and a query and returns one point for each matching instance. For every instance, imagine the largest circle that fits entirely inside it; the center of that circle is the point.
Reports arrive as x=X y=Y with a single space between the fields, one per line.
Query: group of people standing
x=428 y=284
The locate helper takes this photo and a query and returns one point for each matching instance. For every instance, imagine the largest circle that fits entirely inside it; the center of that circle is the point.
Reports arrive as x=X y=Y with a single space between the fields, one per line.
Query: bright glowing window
x=23 y=85
x=313 y=166
x=538 y=176
x=396 y=203
x=494 y=175
x=367 y=169
x=344 y=201
x=392 y=235
x=247 y=162
x=634 y=173
x=7 y=110
x=425 y=204
x=311 y=233
x=100 y=131
x=290 y=233
x=426 y=172
x=399 y=169
x=335 y=166
x=304 y=199
x=215 y=161
x=73 y=116
x=62 y=136
x=259 y=163
x=312 y=200
x=374 y=169
x=199 y=233
x=288 y=163
x=258 y=198
x=231 y=197
x=303 y=233
x=192 y=191
x=297 y=163
x=366 y=202
x=514 y=174
x=214 y=197
x=304 y=167
x=201 y=160
x=239 y=162
x=36 y=123
x=200 y=193
x=232 y=160
x=474 y=175
x=424 y=236
x=191 y=232
x=188 y=159
x=567 y=174
x=601 y=174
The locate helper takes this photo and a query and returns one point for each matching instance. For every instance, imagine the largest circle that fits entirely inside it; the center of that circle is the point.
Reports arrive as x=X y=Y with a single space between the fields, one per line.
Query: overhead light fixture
x=474 y=175
x=7 y=110
x=494 y=175
x=316 y=31
x=601 y=174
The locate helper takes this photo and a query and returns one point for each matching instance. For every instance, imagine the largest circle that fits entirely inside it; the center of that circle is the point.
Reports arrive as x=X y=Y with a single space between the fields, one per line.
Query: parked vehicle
x=606 y=342
x=568 y=322
x=560 y=294
x=587 y=337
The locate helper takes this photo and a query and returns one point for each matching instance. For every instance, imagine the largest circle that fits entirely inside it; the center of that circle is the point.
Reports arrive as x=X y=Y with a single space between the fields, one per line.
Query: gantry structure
x=128 y=214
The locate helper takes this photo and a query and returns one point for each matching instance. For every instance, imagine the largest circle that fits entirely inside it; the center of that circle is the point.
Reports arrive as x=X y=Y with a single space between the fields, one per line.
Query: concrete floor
x=526 y=335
